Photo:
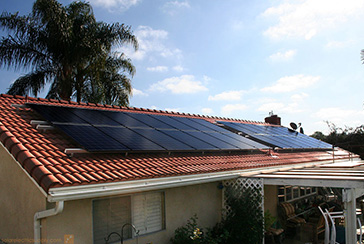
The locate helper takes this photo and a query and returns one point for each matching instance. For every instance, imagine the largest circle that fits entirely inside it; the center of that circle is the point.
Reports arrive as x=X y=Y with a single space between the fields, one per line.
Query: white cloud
x=178 y=68
x=280 y=108
x=304 y=19
x=206 y=78
x=172 y=7
x=173 y=109
x=291 y=83
x=115 y=5
x=137 y=92
x=230 y=108
x=227 y=96
x=339 y=44
x=283 y=56
x=151 y=42
x=158 y=69
x=299 y=97
x=185 y=84
x=340 y=116
x=208 y=111
x=237 y=25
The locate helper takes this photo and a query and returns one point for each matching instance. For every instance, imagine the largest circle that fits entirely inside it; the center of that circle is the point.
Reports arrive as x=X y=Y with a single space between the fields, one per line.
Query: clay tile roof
x=42 y=155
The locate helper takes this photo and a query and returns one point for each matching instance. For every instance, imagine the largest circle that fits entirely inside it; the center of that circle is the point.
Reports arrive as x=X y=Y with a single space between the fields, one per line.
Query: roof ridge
x=99 y=105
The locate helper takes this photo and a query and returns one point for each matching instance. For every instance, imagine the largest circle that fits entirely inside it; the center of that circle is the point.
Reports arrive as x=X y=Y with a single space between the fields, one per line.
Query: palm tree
x=66 y=47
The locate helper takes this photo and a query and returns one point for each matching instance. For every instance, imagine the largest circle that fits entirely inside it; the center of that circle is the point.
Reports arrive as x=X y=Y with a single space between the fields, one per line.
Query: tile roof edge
x=105 y=106
x=27 y=160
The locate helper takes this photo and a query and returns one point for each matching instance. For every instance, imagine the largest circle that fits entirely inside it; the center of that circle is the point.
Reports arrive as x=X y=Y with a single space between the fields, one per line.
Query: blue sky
x=241 y=59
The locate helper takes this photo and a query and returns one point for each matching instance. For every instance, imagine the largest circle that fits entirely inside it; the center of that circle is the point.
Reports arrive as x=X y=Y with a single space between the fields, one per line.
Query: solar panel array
x=102 y=130
x=276 y=136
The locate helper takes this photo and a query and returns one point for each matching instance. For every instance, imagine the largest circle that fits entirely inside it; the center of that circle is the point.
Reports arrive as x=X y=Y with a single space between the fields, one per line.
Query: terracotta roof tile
x=41 y=153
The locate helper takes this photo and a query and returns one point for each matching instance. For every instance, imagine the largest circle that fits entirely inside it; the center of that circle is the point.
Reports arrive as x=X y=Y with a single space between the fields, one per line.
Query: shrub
x=243 y=223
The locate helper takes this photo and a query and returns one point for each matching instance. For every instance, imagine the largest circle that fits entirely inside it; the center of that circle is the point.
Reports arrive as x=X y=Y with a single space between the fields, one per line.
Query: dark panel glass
x=172 y=122
x=94 y=117
x=194 y=124
x=150 y=120
x=163 y=140
x=190 y=140
x=91 y=138
x=212 y=140
x=245 y=141
x=124 y=119
x=134 y=141
x=58 y=114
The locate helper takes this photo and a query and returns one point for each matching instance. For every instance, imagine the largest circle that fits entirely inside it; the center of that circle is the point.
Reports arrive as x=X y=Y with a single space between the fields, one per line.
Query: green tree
x=245 y=220
x=66 y=47
x=351 y=139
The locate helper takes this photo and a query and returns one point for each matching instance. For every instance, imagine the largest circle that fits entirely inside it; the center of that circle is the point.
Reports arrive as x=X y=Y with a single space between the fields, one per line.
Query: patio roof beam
x=313 y=177
x=314 y=182
x=327 y=170
x=320 y=173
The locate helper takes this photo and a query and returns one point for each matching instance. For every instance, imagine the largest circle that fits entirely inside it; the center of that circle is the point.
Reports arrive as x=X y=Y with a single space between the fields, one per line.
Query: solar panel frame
x=90 y=137
x=94 y=117
x=141 y=132
x=124 y=119
x=173 y=122
x=134 y=141
x=192 y=141
x=164 y=140
x=151 y=121
x=276 y=136
x=223 y=145
x=58 y=114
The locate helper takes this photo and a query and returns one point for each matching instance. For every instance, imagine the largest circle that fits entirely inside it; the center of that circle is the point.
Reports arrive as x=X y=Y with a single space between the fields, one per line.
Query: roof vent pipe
x=273 y=119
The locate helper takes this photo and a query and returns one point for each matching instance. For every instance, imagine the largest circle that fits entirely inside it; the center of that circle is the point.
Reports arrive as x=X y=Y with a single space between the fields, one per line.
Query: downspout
x=45 y=214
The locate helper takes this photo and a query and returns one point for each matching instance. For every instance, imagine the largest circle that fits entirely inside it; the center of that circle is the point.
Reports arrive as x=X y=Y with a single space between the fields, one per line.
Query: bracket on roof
x=71 y=151
x=38 y=122
x=18 y=105
x=44 y=127
x=41 y=125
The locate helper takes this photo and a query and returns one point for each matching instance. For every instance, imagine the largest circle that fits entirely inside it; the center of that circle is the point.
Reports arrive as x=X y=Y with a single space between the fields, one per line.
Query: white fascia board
x=133 y=186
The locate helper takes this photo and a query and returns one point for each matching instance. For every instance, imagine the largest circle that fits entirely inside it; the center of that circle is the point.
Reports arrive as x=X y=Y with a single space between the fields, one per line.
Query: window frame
x=131 y=196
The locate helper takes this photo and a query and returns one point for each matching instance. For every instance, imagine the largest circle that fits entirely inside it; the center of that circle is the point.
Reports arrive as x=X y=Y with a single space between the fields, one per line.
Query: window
x=291 y=193
x=144 y=211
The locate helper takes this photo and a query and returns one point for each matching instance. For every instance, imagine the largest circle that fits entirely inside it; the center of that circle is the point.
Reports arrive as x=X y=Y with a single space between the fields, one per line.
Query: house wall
x=181 y=203
x=271 y=199
x=75 y=220
x=20 y=199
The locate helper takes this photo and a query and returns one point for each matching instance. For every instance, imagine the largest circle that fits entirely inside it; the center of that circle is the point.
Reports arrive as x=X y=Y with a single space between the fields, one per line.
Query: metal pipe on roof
x=45 y=214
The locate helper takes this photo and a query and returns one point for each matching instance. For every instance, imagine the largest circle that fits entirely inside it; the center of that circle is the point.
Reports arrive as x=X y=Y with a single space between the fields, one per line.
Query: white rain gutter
x=45 y=214
x=127 y=187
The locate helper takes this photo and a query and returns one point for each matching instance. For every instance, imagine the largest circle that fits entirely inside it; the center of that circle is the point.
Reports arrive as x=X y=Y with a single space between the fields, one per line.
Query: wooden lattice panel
x=244 y=184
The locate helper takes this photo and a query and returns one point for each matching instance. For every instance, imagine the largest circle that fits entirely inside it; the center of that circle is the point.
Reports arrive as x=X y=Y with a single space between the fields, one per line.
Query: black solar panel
x=164 y=140
x=276 y=136
x=134 y=141
x=169 y=120
x=103 y=130
x=150 y=120
x=58 y=114
x=92 y=138
x=94 y=117
x=124 y=119
x=192 y=141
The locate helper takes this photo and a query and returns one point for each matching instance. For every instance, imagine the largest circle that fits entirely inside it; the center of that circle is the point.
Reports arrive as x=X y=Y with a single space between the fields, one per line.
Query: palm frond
x=31 y=83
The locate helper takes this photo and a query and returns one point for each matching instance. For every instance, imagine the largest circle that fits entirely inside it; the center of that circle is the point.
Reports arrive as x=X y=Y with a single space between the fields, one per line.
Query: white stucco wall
x=20 y=199
x=180 y=204
x=271 y=199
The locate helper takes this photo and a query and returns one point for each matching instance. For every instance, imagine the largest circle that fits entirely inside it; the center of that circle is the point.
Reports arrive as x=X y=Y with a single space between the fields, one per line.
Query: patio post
x=349 y=199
